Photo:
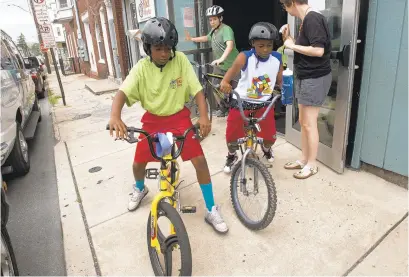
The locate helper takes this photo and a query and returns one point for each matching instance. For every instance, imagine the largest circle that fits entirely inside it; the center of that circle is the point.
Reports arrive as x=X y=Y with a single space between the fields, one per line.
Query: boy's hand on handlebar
x=116 y=123
x=205 y=125
x=225 y=87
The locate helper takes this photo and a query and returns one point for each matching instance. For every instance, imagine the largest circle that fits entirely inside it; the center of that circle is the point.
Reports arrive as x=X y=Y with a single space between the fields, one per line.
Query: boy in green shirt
x=162 y=83
x=223 y=45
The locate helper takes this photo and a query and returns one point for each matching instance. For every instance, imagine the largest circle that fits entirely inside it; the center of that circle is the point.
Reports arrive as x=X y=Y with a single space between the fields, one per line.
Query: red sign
x=42 y=48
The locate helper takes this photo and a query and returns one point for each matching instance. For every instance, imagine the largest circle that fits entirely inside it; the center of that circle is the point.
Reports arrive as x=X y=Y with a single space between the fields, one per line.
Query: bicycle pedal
x=188 y=209
x=152 y=173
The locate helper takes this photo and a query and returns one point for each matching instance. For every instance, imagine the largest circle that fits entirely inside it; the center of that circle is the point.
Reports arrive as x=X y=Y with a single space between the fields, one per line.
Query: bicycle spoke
x=255 y=204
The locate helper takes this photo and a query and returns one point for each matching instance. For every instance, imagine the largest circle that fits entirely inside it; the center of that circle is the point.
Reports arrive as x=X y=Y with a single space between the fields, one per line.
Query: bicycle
x=206 y=81
x=250 y=160
x=167 y=204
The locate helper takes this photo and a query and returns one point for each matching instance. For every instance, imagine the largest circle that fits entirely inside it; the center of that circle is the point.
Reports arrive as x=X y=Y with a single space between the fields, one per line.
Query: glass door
x=333 y=120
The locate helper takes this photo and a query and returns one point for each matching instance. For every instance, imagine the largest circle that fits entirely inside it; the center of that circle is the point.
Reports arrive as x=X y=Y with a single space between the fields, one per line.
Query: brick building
x=95 y=36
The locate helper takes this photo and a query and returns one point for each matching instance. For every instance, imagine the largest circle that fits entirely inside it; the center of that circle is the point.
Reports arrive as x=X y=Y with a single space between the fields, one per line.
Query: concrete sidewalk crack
x=378 y=242
x=84 y=217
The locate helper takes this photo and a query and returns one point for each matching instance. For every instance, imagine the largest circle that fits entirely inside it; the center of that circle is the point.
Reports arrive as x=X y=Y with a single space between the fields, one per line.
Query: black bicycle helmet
x=263 y=30
x=159 y=31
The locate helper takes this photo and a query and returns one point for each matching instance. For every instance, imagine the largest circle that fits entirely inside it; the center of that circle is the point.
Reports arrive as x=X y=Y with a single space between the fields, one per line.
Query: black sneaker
x=269 y=155
x=230 y=161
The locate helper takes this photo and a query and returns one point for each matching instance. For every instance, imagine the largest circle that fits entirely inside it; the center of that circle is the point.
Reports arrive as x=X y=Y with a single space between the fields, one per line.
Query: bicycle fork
x=243 y=180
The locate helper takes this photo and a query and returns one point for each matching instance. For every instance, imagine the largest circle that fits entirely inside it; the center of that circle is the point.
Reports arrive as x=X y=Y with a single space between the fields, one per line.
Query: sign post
x=43 y=23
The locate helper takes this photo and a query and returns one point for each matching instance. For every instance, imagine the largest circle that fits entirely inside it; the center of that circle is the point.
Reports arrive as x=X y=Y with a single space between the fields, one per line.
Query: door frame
x=334 y=157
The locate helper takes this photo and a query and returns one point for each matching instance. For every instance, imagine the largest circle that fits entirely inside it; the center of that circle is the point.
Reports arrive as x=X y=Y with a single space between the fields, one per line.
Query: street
x=34 y=222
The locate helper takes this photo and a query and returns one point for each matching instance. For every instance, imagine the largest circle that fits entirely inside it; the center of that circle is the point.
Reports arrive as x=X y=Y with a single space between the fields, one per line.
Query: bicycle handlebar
x=131 y=139
x=240 y=105
x=202 y=65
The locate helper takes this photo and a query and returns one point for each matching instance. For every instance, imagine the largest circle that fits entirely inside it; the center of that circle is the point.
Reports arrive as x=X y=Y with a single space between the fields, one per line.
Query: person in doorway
x=162 y=82
x=312 y=78
x=223 y=47
x=261 y=70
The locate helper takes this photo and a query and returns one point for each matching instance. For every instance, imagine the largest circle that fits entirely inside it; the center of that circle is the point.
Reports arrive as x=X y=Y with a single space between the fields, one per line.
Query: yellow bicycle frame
x=166 y=191
x=218 y=92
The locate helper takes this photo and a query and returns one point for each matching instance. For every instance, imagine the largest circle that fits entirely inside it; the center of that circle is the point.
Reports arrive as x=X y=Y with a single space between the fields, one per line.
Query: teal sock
x=207 y=191
x=140 y=184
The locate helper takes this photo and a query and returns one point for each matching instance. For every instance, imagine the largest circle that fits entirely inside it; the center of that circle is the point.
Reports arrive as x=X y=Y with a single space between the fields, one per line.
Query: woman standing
x=312 y=78
x=223 y=45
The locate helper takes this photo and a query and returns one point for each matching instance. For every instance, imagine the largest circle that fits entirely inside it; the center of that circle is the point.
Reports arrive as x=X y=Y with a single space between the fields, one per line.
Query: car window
x=6 y=61
x=31 y=62
x=14 y=54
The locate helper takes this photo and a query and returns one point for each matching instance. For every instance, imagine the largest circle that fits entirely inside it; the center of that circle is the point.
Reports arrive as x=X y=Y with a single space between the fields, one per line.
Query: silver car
x=20 y=109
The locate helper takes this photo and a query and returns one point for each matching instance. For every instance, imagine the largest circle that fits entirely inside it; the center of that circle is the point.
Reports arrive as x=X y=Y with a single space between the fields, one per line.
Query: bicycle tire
x=182 y=240
x=271 y=191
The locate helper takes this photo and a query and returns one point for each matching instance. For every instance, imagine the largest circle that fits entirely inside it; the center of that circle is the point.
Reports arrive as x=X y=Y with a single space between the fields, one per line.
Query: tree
x=22 y=44
x=35 y=49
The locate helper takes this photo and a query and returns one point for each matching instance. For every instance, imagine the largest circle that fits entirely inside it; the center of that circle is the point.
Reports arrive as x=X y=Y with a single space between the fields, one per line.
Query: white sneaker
x=215 y=219
x=136 y=198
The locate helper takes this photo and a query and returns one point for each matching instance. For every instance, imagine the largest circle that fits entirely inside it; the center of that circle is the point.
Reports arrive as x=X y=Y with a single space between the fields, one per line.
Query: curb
x=78 y=255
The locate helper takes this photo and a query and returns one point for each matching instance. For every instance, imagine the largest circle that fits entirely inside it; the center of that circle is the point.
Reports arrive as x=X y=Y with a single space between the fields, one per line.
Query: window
x=6 y=62
x=58 y=31
x=100 y=43
x=63 y=4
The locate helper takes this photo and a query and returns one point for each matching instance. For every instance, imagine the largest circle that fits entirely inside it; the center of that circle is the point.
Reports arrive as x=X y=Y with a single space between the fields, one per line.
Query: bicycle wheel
x=258 y=182
x=163 y=265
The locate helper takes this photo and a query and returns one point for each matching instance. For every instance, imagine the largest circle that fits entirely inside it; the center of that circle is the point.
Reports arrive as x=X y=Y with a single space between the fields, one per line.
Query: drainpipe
x=81 y=45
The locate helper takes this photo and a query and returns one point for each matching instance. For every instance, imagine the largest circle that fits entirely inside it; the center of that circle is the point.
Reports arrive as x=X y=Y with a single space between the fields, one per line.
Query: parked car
x=38 y=74
x=8 y=260
x=20 y=109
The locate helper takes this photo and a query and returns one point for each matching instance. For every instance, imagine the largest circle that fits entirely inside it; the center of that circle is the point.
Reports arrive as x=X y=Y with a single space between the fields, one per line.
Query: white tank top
x=258 y=76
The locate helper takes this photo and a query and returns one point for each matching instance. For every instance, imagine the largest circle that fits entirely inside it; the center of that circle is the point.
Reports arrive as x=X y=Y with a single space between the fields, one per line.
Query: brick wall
x=93 y=9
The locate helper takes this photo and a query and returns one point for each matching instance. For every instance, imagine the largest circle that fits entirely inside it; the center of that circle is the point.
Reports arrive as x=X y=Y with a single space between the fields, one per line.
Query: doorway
x=240 y=15
x=333 y=120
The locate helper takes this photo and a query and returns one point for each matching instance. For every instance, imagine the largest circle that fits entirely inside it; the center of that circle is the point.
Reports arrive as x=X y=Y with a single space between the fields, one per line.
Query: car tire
x=36 y=107
x=8 y=264
x=41 y=94
x=19 y=158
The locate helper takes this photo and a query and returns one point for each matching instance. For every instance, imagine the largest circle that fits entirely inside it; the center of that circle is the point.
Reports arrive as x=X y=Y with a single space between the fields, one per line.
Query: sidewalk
x=330 y=224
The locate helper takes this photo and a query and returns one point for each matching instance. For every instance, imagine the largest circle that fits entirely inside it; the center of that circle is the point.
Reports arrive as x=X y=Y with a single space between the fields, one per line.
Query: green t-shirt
x=218 y=39
x=161 y=93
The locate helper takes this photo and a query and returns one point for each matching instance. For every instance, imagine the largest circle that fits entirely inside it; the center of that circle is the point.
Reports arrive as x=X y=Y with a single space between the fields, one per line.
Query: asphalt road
x=34 y=221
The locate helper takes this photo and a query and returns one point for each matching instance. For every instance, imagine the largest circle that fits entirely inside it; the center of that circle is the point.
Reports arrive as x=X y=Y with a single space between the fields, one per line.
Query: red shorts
x=177 y=124
x=235 y=125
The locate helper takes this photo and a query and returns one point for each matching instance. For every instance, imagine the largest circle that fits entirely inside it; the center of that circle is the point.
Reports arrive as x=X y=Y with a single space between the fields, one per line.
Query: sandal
x=294 y=165
x=306 y=172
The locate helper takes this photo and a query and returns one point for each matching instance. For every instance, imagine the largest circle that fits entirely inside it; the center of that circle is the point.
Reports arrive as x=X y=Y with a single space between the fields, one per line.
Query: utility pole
x=51 y=48
x=40 y=39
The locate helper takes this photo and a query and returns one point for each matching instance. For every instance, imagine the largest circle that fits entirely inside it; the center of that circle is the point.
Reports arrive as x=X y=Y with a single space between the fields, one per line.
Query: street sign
x=44 y=24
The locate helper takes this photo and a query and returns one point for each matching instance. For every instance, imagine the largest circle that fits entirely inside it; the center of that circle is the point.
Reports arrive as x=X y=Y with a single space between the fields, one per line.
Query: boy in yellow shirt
x=162 y=83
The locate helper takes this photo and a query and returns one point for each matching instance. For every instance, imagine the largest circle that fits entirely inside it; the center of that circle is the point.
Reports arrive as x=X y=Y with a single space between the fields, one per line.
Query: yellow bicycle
x=250 y=177
x=166 y=205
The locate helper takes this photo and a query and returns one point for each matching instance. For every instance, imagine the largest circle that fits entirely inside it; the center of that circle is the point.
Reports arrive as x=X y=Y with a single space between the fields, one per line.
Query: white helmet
x=214 y=11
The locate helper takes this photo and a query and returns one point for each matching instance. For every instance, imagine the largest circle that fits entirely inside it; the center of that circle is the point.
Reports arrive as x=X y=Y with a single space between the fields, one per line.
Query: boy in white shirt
x=261 y=69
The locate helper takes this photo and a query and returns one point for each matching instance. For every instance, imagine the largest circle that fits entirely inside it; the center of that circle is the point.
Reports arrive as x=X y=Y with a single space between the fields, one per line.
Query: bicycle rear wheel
x=258 y=182
x=163 y=264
